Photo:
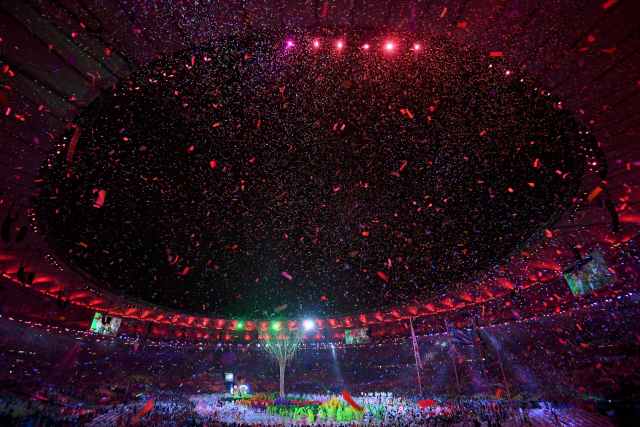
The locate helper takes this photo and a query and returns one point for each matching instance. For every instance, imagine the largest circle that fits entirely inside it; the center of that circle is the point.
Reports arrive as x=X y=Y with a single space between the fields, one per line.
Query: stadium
x=319 y=212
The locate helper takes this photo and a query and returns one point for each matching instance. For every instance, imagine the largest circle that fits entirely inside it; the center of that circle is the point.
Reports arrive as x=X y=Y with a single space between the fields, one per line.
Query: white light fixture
x=308 y=325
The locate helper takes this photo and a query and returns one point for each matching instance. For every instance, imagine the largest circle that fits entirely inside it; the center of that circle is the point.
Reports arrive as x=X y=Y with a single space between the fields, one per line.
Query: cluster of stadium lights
x=307 y=324
x=339 y=45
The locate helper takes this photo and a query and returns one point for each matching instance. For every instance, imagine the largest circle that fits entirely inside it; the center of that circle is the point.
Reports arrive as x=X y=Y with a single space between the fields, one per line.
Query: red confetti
x=407 y=113
x=73 y=144
x=383 y=276
x=548 y=233
x=287 y=276
x=102 y=194
x=609 y=4
x=496 y=54
x=213 y=164
x=594 y=194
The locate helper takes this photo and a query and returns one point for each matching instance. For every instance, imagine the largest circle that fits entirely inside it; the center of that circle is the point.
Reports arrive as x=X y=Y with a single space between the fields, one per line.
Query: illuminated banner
x=356 y=336
x=589 y=274
x=105 y=325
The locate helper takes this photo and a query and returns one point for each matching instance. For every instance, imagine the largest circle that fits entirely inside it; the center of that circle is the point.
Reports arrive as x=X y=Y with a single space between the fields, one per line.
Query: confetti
x=383 y=276
x=236 y=163
x=287 y=276
x=100 y=198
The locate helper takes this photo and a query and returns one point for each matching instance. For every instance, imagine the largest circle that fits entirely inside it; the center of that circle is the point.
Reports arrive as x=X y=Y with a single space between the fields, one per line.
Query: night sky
x=255 y=178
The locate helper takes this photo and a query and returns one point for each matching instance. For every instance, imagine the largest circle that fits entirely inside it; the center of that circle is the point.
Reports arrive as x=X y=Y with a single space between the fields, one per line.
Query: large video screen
x=589 y=274
x=105 y=325
x=356 y=336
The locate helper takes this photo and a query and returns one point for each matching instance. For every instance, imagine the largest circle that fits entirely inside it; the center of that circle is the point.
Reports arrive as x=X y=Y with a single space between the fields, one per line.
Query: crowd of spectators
x=561 y=358
x=398 y=411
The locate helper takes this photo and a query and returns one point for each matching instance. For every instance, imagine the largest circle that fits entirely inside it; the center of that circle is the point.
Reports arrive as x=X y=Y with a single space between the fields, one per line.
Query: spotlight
x=366 y=46
x=316 y=44
x=308 y=325
x=417 y=46
x=276 y=326
x=339 y=44
x=389 y=46
x=290 y=43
